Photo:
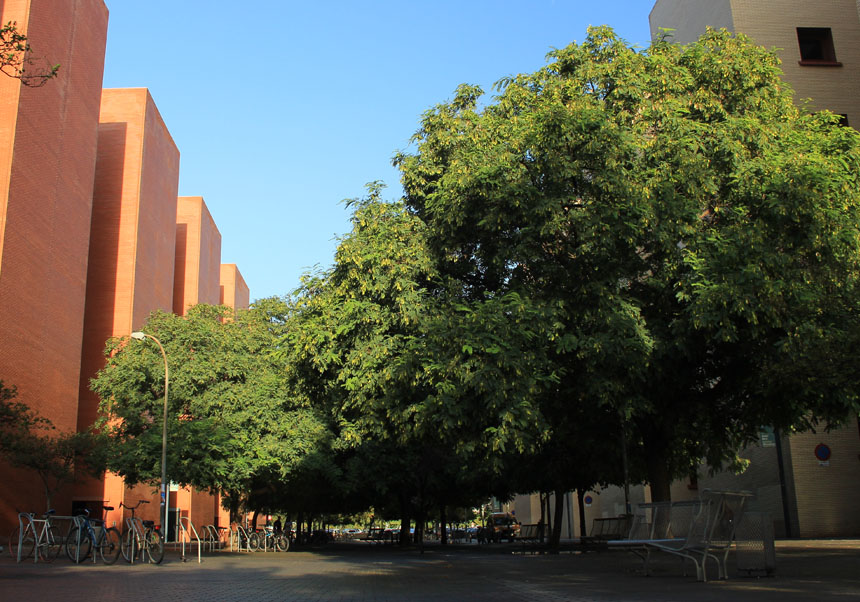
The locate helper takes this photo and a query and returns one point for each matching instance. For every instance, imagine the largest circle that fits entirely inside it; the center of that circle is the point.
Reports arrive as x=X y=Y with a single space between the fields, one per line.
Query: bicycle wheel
x=78 y=545
x=28 y=544
x=109 y=548
x=130 y=546
x=154 y=546
x=50 y=548
x=254 y=542
x=282 y=543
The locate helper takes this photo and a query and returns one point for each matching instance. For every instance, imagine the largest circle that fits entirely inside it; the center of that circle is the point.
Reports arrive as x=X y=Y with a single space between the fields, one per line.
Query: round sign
x=588 y=499
x=822 y=452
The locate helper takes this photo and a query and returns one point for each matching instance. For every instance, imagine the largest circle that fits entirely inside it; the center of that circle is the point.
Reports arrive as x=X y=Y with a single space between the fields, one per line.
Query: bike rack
x=136 y=525
x=100 y=526
x=240 y=533
x=211 y=538
x=21 y=529
x=80 y=522
x=28 y=519
x=185 y=533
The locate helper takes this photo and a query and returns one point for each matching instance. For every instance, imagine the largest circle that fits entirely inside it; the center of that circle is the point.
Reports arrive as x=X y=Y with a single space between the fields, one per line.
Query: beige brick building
x=818 y=42
x=807 y=494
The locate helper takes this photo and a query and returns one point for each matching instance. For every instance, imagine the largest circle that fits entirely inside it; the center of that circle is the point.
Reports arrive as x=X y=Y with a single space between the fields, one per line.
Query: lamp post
x=141 y=336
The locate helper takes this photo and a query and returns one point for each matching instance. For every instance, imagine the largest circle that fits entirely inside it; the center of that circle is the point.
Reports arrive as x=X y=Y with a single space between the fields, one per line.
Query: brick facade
x=820 y=497
x=91 y=235
x=198 y=256
x=774 y=25
x=234 y=291
x=48 y=138
x=133 y=244
x=825 y=493
x=196 y=280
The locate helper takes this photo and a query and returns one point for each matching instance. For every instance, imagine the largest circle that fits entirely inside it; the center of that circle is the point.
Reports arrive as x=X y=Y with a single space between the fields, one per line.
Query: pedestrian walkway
x=806 y=570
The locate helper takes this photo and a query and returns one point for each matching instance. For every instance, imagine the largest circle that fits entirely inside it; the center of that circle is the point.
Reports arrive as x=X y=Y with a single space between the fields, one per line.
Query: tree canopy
x=695 y=232
x=624 y=259
x=29 y=440
x=231 y=425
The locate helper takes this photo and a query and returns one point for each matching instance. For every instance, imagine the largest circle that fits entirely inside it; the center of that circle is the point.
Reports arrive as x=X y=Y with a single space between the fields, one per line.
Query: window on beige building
x=816 y=46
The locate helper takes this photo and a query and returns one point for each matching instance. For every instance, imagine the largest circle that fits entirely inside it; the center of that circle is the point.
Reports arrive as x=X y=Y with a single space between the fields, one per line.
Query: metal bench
x=530 y=536
x=376 y=535
x=604 y=530
x=695 y=530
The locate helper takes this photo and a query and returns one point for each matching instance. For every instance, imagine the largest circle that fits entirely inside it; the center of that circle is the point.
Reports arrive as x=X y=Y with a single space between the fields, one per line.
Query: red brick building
x=93 y=238
x=48 y=138
x=234 y=291
x=132 y=247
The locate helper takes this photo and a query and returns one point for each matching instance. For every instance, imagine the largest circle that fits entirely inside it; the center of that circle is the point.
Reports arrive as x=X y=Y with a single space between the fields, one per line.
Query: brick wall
x=234 y=291
x=198 y=256
x=689 y=18
x=774 y=24
x=827 y=492
x=47 y=156
x=133 y=240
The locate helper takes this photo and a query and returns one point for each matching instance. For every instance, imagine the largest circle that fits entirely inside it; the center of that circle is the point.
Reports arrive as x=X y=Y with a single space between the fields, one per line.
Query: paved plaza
x=807 y=570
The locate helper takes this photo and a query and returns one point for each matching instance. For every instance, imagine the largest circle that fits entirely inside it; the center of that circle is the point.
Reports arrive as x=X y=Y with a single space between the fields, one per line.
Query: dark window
x=816 y=46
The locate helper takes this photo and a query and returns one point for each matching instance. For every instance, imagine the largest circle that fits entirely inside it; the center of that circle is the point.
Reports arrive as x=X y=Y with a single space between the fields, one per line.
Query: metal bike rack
x=21 y=528
x=212 y=538
x=240 y=533
x=80 y=523
x=136 y=526
x=185 y=533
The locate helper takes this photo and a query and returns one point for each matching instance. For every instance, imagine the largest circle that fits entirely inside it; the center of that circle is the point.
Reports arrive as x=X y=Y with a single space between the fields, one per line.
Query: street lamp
x=141 y=336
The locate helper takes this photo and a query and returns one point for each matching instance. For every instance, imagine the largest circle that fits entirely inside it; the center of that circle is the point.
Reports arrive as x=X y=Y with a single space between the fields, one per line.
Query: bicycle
x=93 y=536
x=46 y=542
x=269 y=540
x=141 y=538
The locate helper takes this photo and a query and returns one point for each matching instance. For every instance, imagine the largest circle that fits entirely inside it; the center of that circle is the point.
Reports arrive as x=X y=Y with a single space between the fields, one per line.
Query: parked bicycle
x=268 y=540
x=142 y=540
x=92 y=536
x=39 y=535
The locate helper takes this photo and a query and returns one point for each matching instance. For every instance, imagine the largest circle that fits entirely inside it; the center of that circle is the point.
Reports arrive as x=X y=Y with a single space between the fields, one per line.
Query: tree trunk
x=658 y=477
x=300 y=525
x=443 y=526
x=405 y=521
x=254 y=520
x=542 y=519
x=47 y=491
x=580 y=502
x=420 y=524
x=548 y=513
x=557 y=519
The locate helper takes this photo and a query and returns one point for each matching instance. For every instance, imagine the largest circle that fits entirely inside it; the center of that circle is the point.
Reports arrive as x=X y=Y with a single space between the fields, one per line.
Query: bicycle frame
x=41 y=538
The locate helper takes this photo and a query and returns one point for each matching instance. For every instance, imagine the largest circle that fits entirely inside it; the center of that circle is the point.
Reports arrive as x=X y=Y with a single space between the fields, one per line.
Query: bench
x=377 y=535
x=604 y=530
x=531 y=536
x=696 y=530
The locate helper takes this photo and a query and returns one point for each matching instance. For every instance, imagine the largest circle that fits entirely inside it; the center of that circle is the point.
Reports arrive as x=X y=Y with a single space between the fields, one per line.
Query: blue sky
x=282 y=109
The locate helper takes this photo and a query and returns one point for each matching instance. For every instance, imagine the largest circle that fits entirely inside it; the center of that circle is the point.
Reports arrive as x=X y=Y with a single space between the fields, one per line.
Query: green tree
x=32 y=442
x=231 y=424
x=403 y=373
x=695 y=234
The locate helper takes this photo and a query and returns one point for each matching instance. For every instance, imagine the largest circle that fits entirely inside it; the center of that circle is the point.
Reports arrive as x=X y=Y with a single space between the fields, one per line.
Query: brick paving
x=820 y=571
